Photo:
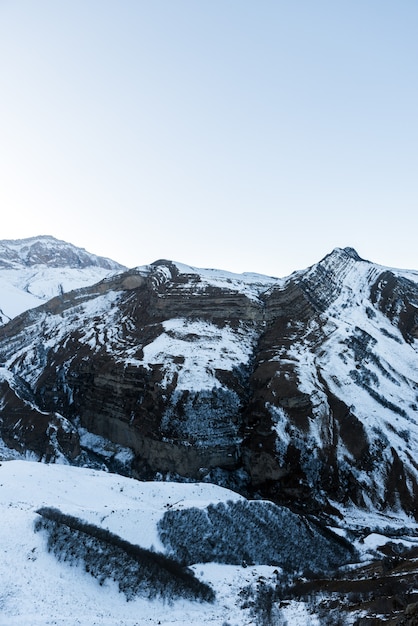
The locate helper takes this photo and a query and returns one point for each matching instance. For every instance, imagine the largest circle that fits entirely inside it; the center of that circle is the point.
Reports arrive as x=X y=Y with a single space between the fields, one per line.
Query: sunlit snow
x=36 y=589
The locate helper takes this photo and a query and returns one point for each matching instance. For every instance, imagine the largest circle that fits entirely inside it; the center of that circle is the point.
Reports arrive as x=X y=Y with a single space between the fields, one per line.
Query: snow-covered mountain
x=300 y=392
x=303 y=390
x=34 y=270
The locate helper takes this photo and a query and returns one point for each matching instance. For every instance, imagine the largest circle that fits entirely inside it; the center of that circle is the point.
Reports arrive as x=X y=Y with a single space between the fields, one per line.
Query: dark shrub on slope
x=108 y=556
x=255 y=532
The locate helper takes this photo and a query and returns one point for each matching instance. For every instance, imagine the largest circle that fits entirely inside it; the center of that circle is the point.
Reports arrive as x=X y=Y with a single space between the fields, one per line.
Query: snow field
x=36 y=589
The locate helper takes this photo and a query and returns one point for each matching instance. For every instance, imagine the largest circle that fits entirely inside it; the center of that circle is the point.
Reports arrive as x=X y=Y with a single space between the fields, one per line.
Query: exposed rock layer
x=303 y=390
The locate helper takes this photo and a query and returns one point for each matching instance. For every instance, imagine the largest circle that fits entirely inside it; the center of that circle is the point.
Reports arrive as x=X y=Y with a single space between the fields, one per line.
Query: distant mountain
x=36 y=269
x=46 y=250
x=303 y=390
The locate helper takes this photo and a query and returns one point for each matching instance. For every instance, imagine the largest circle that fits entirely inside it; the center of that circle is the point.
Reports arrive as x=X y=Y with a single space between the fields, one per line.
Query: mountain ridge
x=302 y=389
x=47 y=250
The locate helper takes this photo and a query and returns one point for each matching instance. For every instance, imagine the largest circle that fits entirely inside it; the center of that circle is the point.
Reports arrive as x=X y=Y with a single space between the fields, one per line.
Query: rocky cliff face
x=304 y=390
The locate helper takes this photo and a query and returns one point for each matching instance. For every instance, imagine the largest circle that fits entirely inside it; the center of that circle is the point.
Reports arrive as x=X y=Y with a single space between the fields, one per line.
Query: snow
x=374 y=541
x=104 y=447
x=224 y=276
x=203 y=348
x=36 y=589
x=99 y=332
x=380 y=382
x=46 y=250
x=356 y=518
x=131 y=508
x=250 y=284
x=39 y=590
x=34 y=270
x=296 y=614
x=24 y=289
x=374 y=529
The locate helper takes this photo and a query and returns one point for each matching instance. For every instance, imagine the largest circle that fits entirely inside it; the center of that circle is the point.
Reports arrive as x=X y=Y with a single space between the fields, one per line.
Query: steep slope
x=122 y=356
x=36 y=269
x=303 y=390
x=334 y=387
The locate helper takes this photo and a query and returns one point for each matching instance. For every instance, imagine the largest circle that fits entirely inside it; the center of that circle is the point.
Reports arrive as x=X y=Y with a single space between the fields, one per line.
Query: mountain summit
x=48 y=251
x=303 y=390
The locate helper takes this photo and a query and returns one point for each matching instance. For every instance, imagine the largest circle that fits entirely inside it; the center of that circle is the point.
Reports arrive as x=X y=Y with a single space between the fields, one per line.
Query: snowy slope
x=250 y=284
x=40 y=590
x=32 y=271
x=358 y=353
x=36 y=589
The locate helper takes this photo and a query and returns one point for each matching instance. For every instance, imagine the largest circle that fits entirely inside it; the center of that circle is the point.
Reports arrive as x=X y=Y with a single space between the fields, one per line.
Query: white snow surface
x=37 y=590
x=34 y=270
x=386 y=402
x=24 y=289
x=249 y=283
x=203 y=348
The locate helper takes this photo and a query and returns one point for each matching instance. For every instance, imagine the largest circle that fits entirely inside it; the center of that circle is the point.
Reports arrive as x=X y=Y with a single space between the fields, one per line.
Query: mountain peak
x=45 y=250
x=353 y=253
x=343 y=254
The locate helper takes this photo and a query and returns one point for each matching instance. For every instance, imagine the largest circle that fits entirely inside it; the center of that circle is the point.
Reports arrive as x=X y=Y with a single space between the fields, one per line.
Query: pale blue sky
x=237 y=134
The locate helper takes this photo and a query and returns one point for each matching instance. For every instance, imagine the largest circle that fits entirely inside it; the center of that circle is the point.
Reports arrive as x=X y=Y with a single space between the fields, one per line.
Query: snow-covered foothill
x=38 y=590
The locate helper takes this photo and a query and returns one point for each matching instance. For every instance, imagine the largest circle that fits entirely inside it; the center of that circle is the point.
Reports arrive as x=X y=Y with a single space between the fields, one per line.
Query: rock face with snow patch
x=303 y=389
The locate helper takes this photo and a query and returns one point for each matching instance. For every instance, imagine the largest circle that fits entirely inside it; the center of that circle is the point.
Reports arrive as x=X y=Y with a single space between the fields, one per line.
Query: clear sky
x=247 y=135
